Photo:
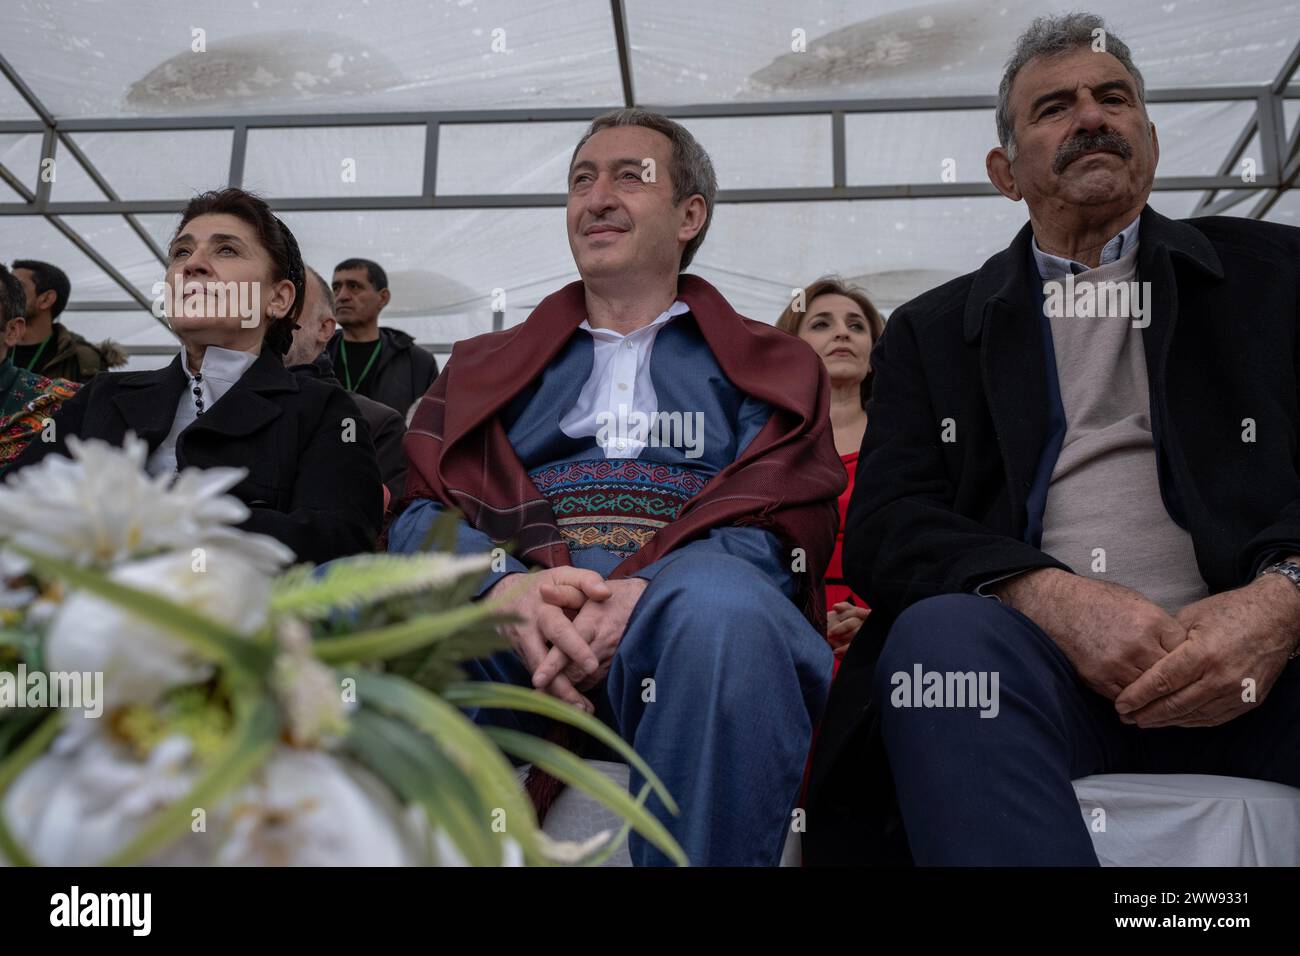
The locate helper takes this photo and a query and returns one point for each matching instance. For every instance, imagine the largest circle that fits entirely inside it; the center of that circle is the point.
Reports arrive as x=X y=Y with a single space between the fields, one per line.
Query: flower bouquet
x=171 y=694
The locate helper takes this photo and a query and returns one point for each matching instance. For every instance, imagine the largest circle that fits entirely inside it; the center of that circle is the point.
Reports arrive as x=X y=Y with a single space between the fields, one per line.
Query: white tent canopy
x=459 y=117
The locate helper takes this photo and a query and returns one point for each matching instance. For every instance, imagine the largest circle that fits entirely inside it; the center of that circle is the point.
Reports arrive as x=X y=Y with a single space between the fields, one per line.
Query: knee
x=950 y=632
x=715 y=588
x=714 y=606
x=407 y=531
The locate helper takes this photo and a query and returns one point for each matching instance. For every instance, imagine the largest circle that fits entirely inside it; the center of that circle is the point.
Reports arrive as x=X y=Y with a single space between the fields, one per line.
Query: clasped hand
x=1212 y=661
x=569 y=624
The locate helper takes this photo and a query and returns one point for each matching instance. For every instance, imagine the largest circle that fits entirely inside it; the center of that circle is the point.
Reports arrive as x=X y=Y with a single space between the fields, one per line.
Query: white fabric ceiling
x=95 y=59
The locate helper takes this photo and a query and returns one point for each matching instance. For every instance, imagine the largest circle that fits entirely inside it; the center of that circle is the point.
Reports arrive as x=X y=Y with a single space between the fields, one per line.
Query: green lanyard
x=37 y=354
x=347 y=375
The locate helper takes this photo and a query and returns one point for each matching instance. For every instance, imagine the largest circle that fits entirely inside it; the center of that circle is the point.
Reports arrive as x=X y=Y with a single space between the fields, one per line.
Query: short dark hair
x=273 y=235
x=374 y=271
x=13 y=300
x=46 y=278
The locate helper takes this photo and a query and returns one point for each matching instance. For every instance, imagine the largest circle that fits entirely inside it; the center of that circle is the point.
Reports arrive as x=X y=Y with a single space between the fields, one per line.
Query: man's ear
x=45 y=301
x=697 y=211
x=384 y=296
x=13 y=333
x=327 y=328
x=998 y=166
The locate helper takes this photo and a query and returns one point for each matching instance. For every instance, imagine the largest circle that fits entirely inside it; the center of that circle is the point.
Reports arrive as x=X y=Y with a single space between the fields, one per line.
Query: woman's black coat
x=313 y=482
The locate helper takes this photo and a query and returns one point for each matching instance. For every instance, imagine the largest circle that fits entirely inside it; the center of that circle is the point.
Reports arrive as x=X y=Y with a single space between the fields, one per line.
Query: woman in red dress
x=841 y=324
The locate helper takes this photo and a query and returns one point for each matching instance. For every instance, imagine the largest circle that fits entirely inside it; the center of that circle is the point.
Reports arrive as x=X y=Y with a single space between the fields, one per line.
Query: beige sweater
x=1104 y=504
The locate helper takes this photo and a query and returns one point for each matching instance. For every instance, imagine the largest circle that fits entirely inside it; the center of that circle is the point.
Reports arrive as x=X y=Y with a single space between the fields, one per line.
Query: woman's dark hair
x=274 y=236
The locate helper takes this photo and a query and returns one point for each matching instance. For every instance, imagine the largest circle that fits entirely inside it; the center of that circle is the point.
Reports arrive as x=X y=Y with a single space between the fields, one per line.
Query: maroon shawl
x=786 y=481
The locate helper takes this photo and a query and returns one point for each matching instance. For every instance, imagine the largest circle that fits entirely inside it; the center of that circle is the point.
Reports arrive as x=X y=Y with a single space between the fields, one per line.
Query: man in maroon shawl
x=669 y=466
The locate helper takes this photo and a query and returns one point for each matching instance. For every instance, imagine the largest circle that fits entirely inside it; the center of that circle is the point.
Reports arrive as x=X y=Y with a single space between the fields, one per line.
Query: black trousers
x=995 y=789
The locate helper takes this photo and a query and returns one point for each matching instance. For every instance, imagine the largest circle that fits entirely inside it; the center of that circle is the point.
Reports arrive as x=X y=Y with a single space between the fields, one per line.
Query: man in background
x=27 y=401
x=383 y=364
x=316 y=326
x=48 y=347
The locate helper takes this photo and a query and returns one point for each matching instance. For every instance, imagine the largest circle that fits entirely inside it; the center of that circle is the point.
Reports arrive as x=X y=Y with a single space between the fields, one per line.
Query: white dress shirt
x=618 y=386
x=222 y=368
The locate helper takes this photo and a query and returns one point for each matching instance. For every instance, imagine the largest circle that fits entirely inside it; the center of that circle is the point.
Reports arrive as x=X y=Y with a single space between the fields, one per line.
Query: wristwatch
x=1291 y=571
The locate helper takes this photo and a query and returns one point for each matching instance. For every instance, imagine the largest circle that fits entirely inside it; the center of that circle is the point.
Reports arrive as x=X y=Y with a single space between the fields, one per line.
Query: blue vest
x=615 y=505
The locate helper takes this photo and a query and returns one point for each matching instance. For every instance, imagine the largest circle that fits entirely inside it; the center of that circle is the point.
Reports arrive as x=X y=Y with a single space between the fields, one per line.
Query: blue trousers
x=996 y=791
x=717 y=684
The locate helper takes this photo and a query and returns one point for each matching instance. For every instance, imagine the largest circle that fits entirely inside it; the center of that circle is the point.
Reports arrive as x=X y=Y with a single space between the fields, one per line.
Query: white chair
x=575 y=816
x=1135 y=819
x=1185 y=819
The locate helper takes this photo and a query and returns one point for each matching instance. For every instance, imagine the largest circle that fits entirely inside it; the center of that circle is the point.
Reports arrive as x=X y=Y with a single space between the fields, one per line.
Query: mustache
x=606 y=222
x=1108 y=141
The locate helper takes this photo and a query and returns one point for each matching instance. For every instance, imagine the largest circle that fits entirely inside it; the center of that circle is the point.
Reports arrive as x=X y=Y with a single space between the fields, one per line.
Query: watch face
x=1289 y=570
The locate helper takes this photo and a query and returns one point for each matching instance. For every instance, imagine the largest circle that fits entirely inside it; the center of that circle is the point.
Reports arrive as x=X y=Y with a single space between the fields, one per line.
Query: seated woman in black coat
x=235 y=286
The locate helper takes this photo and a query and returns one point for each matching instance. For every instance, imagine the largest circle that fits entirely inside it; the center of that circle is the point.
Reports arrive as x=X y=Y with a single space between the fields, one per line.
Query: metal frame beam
x=39 y=201
x=571 y=114
x=624 y=47
x=929 y=190
x=1274 y=143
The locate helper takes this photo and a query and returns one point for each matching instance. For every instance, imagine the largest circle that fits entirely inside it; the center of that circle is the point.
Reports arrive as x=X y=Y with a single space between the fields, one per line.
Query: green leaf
x=10 y=768
x=612 y=846
x=414 y=766
x=509 y=697
x=395 y=639
x=574 y=771
x=26 y=646
x=10 y=638
x=441 y=534
x=212 y=640
x=440 y=664
x=463 y=742
x=253 y=739
x=367 y=579
x=15 y=725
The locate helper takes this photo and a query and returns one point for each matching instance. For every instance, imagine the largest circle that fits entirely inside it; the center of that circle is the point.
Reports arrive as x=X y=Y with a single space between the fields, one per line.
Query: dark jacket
x=386 y=426
x=72 y=357
x=401 y=374
x=931 y=517
x=312 y=482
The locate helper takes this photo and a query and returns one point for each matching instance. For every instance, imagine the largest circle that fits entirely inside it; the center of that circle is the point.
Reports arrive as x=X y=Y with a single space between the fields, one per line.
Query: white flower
x=101 y=507
x=309 y=691
x=141 y=662
x=308 y=808
x=77 y=808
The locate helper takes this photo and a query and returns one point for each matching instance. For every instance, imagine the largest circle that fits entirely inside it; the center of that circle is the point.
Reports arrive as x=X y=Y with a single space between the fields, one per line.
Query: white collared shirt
x=619 y=385
x=222 y=368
